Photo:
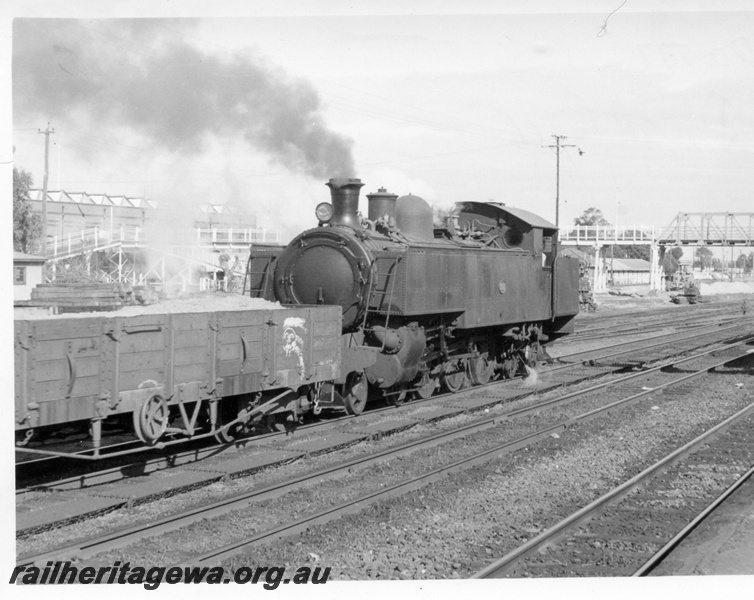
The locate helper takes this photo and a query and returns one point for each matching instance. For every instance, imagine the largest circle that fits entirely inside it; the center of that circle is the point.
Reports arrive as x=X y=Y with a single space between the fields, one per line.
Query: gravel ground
x=453 y=528
x=656 y=301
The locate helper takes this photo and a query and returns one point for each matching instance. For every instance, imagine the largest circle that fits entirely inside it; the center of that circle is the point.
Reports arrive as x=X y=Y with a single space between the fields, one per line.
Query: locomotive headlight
x=324 y=212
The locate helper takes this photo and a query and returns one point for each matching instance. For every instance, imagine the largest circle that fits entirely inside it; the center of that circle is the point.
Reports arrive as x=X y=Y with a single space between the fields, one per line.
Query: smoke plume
x=139 y=74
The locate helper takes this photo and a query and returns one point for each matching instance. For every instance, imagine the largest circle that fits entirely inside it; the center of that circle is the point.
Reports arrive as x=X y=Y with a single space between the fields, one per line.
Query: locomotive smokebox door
x=324 y=266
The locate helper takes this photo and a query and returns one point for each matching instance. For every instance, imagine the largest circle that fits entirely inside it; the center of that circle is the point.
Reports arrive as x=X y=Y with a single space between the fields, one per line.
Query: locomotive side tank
x=464 y=301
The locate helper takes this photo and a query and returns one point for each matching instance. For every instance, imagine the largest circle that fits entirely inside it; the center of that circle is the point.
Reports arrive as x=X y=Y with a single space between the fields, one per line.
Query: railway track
x=124 y=537
x=633 y=527
x=122 y=469
x=643 y=324
x=659 y=557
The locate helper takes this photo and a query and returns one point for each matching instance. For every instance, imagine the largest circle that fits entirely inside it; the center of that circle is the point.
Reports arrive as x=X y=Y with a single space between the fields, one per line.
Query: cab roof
x=517 y=213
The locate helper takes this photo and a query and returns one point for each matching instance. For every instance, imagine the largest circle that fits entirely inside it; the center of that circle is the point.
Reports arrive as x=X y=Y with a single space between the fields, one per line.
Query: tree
x=669 y=263
x=591 y=216
x=677 y=252
x=704 y=257
x=745 y=262
x=27 y=225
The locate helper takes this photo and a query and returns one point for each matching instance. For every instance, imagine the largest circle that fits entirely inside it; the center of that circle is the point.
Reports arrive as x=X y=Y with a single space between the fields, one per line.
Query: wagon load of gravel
x=200 y=302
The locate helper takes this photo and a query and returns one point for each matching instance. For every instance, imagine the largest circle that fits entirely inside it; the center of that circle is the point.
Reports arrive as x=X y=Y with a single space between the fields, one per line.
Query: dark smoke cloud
x=140 y=74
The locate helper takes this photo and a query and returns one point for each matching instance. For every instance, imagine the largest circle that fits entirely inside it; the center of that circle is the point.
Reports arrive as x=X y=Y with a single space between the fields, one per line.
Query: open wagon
x=175 y=376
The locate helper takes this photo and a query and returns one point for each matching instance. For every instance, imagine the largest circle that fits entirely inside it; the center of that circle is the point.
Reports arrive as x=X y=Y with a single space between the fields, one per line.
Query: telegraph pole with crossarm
x=46 y=133
x=557 y=146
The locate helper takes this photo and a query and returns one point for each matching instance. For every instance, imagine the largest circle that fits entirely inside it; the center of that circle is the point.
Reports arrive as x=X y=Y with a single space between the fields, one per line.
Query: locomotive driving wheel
x=509 y=366
x=531 y=355
x=481 y=369
x=355 y=392
x=151 y=421
x=426 y=386
x=453 y=377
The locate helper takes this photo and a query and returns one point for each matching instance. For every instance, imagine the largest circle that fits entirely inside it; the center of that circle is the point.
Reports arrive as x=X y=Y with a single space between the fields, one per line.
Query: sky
x=260 y=106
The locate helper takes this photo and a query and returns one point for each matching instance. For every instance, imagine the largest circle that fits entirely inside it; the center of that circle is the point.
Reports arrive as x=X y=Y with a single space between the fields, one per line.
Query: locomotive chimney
x=345 y=201
x=381 y=204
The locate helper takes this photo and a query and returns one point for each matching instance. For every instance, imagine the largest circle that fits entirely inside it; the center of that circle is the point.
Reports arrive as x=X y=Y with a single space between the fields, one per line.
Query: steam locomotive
x=424 y=305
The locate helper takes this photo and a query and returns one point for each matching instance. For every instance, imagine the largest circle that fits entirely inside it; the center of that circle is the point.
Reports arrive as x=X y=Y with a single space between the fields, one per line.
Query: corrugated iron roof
x=27 y=258
x=125 y=201
x=96 y=199
x=630 y=264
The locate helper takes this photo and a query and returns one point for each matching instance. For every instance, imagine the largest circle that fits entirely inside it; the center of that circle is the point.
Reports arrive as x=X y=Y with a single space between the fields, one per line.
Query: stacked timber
x=74 y=297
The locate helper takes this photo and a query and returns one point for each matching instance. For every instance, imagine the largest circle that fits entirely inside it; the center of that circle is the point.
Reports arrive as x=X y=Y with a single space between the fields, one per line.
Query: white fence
x=609 y=234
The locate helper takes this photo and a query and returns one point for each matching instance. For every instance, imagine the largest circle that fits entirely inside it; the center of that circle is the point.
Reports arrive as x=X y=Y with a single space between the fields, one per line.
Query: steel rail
x=404 y=487
x=648 y=328
x=674 y=339
x=660 y=313
x=624 y=326
x=508 y=562
x=663 y=552
x=120 y=472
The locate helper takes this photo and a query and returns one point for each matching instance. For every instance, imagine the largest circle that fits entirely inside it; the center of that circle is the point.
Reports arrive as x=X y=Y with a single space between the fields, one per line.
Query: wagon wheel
x=481 y=369
x=427 y=386
x=355 y=392
x=453 y=377
x=151 y=421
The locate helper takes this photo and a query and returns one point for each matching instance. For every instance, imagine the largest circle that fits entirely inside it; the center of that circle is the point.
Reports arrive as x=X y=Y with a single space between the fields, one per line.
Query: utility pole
x=46 y=133
x=557 y=146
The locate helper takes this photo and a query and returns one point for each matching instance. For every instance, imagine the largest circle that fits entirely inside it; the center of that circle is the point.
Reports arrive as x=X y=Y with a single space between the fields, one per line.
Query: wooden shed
x=27 y=273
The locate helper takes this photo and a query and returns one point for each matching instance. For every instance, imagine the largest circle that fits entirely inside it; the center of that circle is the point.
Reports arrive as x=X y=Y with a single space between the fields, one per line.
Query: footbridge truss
x=686 y=229
x=697 y=229
x=132 y=255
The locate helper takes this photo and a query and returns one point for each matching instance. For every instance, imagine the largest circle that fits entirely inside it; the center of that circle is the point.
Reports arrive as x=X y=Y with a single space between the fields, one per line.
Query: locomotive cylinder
x=382 y=204
x=344 y=193
x=399 y=363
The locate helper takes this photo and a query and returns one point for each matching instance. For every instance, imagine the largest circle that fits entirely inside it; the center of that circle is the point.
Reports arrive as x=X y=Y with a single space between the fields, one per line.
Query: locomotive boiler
x=448 y=303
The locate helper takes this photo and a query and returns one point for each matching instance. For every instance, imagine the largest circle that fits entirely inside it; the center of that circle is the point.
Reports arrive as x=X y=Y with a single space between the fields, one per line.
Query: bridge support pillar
x=600 y=275
x=655 y=269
